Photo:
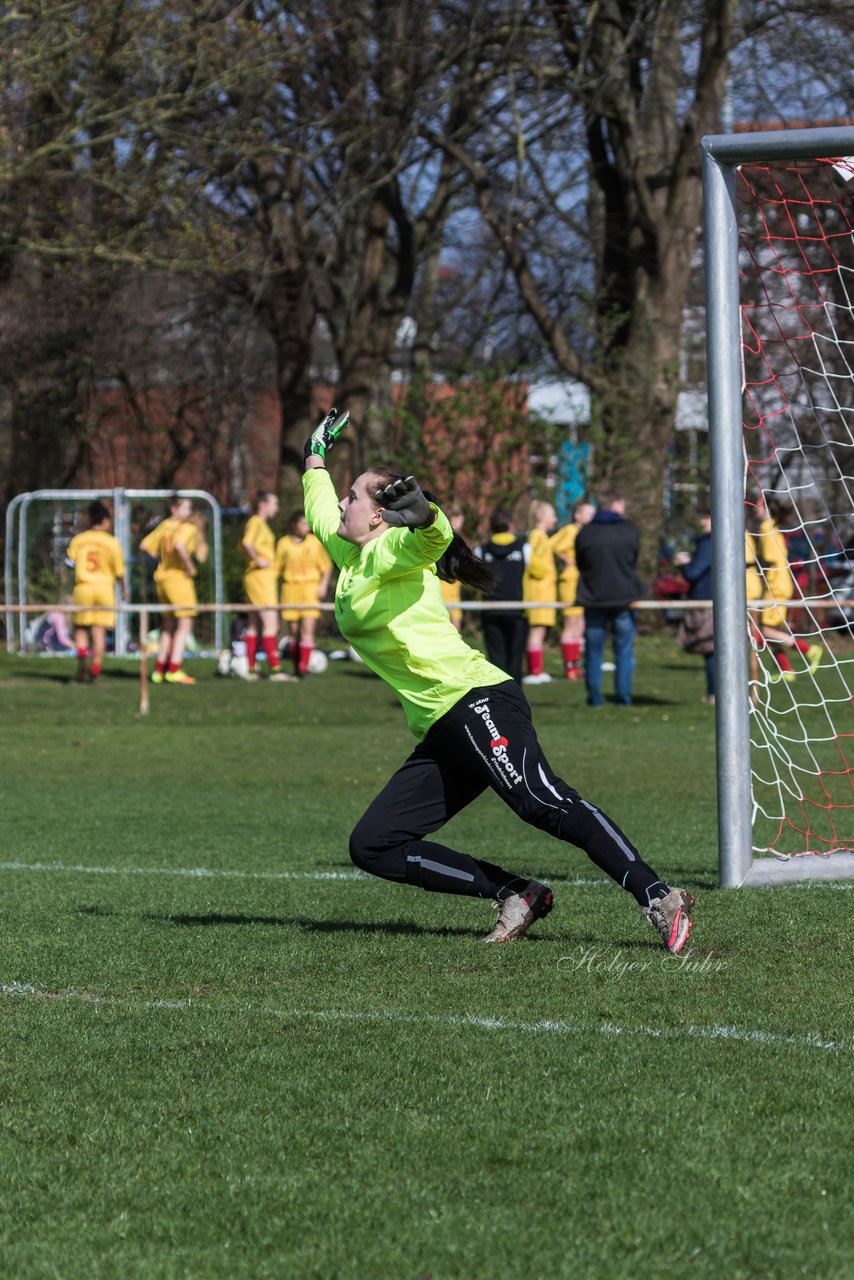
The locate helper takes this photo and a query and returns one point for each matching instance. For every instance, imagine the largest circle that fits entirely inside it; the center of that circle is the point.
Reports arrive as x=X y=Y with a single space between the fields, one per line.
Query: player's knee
x=366 y=850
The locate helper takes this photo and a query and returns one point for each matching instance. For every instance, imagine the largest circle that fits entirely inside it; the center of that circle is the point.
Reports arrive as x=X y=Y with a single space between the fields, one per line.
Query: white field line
x=471 y=1022
x=188 y=873
x=208 y=873
x=819 y=884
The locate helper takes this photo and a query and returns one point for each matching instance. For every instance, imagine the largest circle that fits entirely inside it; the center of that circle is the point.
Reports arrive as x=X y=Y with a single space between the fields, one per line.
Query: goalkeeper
x=472 y=722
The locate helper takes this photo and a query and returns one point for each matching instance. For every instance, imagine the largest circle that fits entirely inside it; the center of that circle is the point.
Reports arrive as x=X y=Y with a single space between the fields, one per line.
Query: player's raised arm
x=321 y=505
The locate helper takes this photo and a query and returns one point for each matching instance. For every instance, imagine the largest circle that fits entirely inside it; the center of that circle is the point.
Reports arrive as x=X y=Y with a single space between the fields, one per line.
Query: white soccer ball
x=223 y=667
x=318 y=662
x=240 y=666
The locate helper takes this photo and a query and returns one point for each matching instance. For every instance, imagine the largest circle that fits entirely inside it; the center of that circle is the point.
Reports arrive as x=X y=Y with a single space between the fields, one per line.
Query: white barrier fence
x=143 y=611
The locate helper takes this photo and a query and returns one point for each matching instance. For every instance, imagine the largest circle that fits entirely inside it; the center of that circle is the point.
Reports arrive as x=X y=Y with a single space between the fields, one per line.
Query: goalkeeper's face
x=361 y=517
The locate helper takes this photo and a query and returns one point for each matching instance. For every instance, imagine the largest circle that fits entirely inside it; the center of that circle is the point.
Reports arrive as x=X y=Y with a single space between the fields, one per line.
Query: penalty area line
x=472 y=1022
x=211 y=873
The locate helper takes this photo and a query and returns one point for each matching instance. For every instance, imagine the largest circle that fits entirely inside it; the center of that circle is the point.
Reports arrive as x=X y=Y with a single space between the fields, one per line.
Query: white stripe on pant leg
x=603 y=821
x=453 y=872
x=547 y=784
x=618 y=840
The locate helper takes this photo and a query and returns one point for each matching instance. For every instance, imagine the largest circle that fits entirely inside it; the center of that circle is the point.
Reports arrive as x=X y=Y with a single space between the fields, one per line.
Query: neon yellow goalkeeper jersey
x=389 y=607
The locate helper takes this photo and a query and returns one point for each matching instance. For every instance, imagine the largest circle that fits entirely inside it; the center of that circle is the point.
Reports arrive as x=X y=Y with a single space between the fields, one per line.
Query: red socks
x=571 y=650
x=535 y=662
x=305 y=652
x=271 y=653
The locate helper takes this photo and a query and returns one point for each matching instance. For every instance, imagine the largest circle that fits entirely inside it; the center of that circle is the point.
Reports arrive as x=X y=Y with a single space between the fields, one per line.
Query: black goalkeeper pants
x=486 y=740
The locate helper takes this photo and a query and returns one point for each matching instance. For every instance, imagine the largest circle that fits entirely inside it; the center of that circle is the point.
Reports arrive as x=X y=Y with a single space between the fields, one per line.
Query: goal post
x=779 y=260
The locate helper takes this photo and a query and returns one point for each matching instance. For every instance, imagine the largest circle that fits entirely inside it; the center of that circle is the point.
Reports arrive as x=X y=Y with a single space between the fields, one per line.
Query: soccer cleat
x=814 y=655
x=776 y=676
x=517 y=913
x=574 y=673
x=178 y=677
x=282 y=677
x=157 y=677
x=671 y=917
x=542 y=678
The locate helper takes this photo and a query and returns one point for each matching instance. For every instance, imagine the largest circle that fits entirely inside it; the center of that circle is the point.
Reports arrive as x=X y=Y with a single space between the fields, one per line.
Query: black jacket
x=508 y=560
x=606 y=552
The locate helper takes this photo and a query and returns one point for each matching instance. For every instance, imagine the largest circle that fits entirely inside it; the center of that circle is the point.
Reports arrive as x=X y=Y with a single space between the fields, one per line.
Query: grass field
x=227 y=1056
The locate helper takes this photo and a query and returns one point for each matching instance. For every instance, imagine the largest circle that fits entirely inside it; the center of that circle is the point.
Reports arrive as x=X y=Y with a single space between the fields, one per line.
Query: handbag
x=696 y=632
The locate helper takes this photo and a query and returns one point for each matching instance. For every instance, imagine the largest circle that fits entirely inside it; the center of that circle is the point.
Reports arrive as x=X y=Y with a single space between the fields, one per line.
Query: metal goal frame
x=121 y=499
x=722 y=155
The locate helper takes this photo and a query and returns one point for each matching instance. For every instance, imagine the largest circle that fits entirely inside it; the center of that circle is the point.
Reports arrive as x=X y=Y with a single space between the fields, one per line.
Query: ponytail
x=460 y=564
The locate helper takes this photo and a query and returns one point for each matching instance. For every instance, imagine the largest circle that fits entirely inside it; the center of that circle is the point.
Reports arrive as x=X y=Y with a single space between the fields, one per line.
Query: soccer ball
x=318 y=662
x=240 y=666
x=223 y=667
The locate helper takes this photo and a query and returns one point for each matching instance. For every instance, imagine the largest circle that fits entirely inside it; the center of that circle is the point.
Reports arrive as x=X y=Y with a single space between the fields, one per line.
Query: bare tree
x=587 y=172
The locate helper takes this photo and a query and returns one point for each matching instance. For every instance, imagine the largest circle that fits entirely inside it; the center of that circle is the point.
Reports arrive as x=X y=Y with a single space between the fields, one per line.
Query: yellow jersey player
x=768 y=565
x=539 y=585
x=99 y=568
x=174 y=543
x=304 y=567
x=258 y=545
x=563 y=547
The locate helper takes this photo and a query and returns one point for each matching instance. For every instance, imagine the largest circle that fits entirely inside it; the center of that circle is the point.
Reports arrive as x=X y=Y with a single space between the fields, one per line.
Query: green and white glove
x=325 y=434
x=405 y=505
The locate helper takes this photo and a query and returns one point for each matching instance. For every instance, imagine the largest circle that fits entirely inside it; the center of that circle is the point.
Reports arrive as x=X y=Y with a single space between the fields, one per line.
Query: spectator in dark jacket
x=606 y=552
x=697 y=570
x=505 y=631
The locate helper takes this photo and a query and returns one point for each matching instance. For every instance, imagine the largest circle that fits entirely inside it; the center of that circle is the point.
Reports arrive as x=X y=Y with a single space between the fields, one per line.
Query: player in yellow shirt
x=99 y=568
x=769 y=563
x=304 y=567
x=260 y=577
x=563 y=547
x=539 y=584
x=175 y=543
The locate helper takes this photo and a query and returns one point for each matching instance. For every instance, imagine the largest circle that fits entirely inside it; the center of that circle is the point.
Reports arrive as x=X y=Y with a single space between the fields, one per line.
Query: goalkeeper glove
x=325 y=434
x=405 y=504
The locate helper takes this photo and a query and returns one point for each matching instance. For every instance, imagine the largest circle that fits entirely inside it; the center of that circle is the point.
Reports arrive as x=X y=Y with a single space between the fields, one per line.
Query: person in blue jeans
x=606 y=553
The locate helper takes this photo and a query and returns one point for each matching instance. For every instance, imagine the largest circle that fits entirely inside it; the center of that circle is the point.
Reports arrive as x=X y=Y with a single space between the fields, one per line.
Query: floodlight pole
x=723 y=318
